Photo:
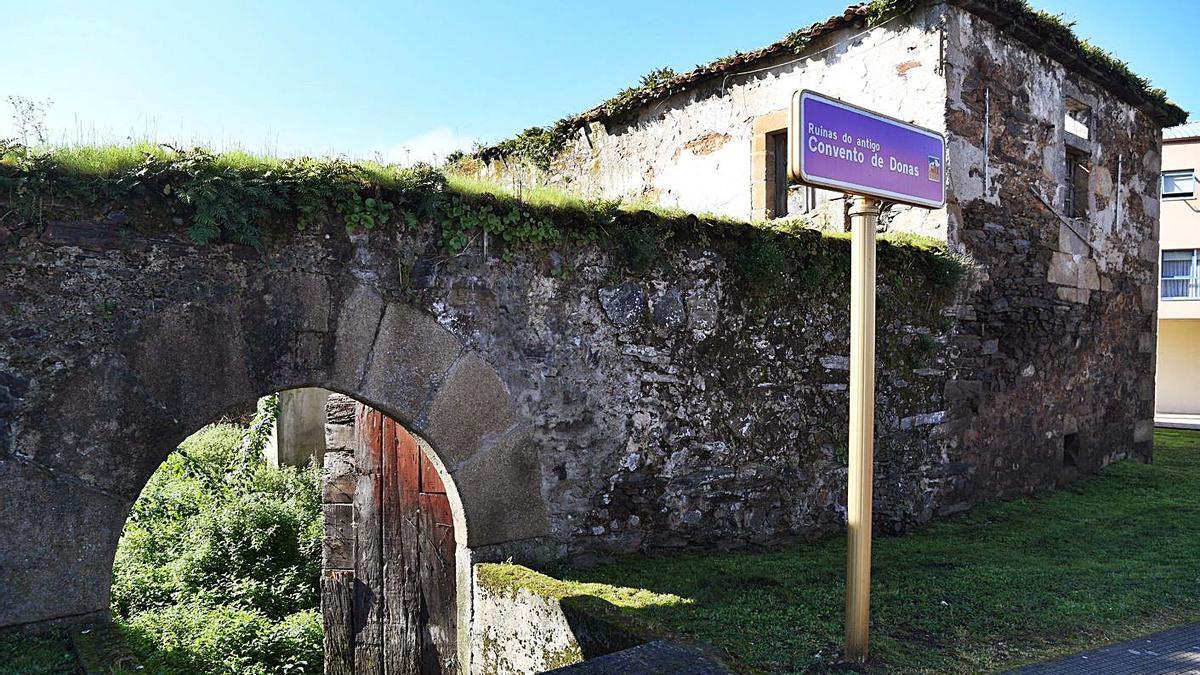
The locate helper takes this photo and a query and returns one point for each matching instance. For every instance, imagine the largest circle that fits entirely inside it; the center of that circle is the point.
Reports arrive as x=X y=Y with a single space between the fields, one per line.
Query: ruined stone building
x=572 y=398
x=1053 y=193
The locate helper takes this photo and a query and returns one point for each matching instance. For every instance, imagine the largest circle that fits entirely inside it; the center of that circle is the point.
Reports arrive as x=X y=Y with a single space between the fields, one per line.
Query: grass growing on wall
x=244 y=199
x=217 y=570
x=1107 y=559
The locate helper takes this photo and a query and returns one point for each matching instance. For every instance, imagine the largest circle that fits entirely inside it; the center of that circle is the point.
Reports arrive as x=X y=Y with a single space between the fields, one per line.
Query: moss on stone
x=507 y=579
x=559 y=658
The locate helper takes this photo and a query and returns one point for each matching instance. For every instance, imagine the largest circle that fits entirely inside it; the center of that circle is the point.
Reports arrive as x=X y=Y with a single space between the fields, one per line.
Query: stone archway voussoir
x=471 y=410
x=501 y=489
x=409 y=360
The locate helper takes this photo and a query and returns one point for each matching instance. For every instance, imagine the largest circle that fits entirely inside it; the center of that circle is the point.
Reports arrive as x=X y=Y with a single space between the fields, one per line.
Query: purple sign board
x=842 y=147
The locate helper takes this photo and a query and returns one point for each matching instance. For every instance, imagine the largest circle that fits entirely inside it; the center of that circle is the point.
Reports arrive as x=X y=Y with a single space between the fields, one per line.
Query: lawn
x=1110 y=558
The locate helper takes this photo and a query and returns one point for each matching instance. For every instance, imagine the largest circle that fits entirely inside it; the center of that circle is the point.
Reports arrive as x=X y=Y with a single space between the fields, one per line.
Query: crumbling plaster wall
x=693 y=150
x=1058 y=336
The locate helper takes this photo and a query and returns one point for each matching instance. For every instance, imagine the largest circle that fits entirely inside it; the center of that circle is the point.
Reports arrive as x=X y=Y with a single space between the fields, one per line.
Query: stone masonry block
x=504 y=482
x=358 y=320
x=63 y=566
x=194 y=362
x=471 y=407
x=1143 y=431
x=408 y=362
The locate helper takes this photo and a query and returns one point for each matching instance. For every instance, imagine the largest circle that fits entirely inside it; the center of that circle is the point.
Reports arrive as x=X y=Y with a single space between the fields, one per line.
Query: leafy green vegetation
x=218 y=566
x=240 y=198
x=1107 y=559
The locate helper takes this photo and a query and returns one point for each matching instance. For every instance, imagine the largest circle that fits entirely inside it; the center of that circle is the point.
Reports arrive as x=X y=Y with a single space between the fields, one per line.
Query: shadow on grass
x=1007 y=583
x=36 y=654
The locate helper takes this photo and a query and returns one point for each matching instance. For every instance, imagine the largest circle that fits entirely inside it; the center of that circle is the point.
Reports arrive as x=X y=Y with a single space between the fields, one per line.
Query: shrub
x=218 y=567
x=197 y=637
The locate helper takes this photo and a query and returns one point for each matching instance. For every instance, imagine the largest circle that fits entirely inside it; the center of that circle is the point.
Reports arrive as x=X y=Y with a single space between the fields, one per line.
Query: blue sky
x=359 y=78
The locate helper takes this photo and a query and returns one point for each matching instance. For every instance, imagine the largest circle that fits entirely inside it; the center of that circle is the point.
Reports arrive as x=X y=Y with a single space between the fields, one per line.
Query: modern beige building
x=1177 y=390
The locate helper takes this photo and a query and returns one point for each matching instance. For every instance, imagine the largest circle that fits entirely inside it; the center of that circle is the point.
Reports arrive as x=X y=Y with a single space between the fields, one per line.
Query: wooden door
x=403 y=604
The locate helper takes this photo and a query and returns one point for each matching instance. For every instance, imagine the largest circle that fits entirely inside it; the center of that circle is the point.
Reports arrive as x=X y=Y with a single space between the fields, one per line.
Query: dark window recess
x=778 y=199
x=1077 y=184
x=1071 y=449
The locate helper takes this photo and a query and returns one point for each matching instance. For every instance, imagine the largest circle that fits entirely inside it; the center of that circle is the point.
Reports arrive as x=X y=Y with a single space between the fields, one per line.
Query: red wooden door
x=405 y=599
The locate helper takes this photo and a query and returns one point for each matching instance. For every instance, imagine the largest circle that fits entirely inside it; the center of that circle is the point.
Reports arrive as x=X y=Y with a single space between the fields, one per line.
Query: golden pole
x=864 y=217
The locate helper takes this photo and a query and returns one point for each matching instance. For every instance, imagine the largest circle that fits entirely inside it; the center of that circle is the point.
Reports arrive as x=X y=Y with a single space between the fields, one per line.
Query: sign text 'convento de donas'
x=842 y=147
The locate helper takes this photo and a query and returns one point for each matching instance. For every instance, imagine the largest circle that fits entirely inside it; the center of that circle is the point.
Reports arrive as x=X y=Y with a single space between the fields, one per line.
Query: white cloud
x=432 y=146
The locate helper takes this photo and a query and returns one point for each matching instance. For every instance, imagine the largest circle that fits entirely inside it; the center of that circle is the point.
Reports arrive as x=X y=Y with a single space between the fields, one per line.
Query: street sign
x=842 y=147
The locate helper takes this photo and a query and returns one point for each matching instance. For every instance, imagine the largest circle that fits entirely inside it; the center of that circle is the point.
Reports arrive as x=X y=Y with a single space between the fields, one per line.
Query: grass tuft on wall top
x=236 y=198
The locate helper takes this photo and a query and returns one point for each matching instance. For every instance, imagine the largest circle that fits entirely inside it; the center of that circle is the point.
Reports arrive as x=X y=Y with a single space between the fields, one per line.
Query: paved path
x=1177 y=421
x=1174 y=651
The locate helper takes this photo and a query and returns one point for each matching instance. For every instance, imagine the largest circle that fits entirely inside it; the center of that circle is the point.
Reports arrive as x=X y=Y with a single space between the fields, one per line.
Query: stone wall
x=696 y=150
x=1056 y=372
x=582 y=409
x=1060 y=322
x=578 y=408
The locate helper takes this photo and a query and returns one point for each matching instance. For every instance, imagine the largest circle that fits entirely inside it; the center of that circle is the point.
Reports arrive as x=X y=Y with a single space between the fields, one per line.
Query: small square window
x=1179 y=184
x=1078 y=119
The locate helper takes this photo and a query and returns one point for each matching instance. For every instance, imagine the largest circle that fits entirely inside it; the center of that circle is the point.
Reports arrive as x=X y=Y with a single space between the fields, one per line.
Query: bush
x=218 y=567
x=202 y=638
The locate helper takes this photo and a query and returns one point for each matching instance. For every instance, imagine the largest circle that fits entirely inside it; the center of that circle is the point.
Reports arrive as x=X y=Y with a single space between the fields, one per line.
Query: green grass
x=1110 y=558
x=48 y=654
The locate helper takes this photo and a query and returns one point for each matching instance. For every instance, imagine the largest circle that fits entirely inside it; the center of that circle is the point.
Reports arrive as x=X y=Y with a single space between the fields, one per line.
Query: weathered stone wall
x=1057 y=340
x=577 y=409
x=695 y=150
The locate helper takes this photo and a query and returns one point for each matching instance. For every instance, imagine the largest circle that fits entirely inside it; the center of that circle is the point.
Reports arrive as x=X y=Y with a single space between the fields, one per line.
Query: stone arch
x=85 y=454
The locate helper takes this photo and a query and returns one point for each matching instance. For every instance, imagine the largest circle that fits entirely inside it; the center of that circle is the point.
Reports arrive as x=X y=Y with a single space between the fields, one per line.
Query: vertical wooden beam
x=337 y=615
x=368 y=571
x=402 y=639
x=439 y=584
x=864 y=217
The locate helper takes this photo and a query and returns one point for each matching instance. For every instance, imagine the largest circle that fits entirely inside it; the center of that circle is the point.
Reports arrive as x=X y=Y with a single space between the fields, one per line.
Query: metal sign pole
x=839 y=146
x=864 y=217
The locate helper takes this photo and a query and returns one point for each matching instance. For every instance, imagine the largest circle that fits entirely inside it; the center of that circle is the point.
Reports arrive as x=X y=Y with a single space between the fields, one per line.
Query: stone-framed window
x=763 y=150
x=1077 y=120
x=770 y=194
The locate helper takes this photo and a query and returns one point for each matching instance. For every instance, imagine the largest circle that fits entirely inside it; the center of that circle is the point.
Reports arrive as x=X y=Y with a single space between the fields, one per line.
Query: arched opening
x=188 y=363
x=221 y=531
